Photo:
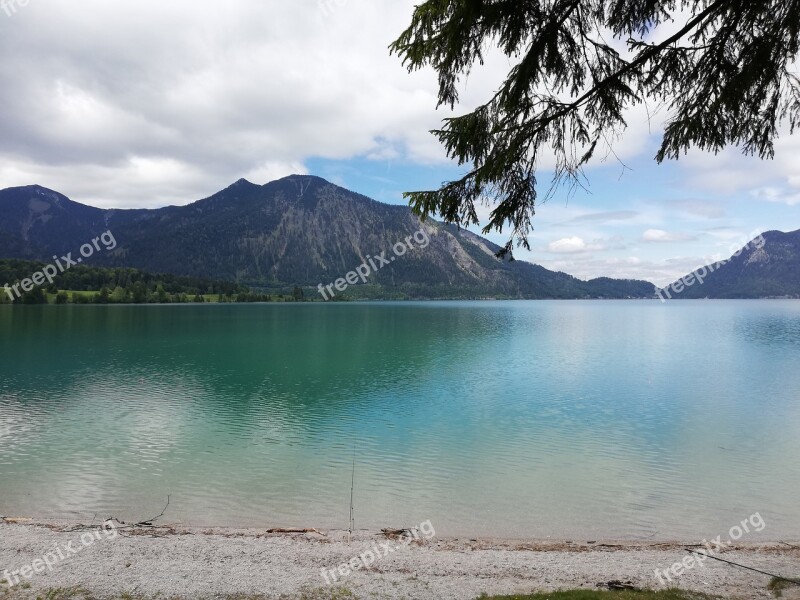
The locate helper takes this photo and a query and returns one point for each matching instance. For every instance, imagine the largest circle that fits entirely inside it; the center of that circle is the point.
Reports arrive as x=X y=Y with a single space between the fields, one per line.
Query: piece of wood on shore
x=296 y=530
x=389 y=533
x=16 y=520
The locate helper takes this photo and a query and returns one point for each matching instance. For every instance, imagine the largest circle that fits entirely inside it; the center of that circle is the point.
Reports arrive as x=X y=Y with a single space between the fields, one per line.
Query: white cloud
x=220 y=92
x=730 y=172
x=706 y=209
x=576 y=244
x=567 y=245
x=782 y=196
x=89 y=96
x=605 y=217
x=658 y=271
x=659 y=235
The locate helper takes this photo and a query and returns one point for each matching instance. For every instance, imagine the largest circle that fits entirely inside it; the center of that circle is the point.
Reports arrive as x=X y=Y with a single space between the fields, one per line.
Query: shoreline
x=182 y=562
x=474 y=542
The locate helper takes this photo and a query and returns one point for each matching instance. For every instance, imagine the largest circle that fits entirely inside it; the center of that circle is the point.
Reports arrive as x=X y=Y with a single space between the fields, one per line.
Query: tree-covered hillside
x=297 y=231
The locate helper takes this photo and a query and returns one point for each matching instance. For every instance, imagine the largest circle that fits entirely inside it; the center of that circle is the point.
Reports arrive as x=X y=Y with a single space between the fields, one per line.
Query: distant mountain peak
x=48 y=193
x=37 y=189
x=242 y=184
x=298 y=230
x=297 y=176
x=296 y=179
x=36 y=197
x=767 y=267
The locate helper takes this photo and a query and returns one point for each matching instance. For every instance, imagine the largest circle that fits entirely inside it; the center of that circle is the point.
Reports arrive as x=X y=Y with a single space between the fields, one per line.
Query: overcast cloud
x=146 y=103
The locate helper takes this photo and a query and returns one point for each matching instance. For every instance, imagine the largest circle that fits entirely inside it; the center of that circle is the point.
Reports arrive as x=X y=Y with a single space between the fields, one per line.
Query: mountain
x=35 y=219
x=767 y=267
x=298 y=230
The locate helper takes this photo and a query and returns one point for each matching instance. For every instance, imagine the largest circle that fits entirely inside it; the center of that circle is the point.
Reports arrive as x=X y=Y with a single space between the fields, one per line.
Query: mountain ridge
x=300 y=229
x=767 y=267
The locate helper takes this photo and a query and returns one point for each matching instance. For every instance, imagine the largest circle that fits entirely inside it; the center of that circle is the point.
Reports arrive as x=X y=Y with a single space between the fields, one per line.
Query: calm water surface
x=567 y=419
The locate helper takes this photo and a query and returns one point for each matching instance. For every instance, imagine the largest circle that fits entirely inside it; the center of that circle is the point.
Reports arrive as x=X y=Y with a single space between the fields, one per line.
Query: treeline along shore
x=95 y=285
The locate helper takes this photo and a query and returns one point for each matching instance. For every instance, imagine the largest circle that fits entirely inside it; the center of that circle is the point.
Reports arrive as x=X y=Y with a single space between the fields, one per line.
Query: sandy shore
x=192 y=563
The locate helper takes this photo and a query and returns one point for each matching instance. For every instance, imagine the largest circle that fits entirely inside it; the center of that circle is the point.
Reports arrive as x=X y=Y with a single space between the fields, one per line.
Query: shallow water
x=580 y=420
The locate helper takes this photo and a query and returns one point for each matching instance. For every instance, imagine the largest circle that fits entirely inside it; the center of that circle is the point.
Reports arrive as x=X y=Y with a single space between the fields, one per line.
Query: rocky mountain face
x=767 y=267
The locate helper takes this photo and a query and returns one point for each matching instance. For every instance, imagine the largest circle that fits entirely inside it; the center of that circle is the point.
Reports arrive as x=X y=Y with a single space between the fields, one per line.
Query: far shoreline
x=371 y=301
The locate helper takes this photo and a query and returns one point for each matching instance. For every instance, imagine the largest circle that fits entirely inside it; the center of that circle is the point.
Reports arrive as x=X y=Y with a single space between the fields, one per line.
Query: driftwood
x=295 y=530
x=617 y=585
x=390 y=533
x=145 y=523
x=123 y=526
x=16 y=520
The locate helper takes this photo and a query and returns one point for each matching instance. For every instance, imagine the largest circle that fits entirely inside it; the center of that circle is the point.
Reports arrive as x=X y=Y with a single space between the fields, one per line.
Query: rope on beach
x=730 y=562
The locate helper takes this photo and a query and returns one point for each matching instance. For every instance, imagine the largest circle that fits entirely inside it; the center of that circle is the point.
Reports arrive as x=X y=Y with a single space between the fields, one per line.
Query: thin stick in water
x=352 y=489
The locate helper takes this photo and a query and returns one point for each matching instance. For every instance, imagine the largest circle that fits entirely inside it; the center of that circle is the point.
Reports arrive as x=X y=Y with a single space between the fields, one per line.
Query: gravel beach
x=171 y=562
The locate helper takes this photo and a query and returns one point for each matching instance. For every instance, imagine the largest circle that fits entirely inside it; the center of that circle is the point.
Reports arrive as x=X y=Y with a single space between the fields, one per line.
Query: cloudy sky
x=150 y=103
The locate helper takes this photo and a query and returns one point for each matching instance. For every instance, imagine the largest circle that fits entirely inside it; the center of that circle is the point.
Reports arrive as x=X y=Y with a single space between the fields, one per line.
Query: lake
x=575 y=420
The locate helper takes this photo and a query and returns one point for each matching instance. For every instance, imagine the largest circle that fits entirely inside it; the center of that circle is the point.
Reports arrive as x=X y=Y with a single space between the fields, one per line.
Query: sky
x=149 y=103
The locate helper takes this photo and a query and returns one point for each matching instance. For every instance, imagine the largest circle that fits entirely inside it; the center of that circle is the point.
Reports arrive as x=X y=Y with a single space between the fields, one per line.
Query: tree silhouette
x=724 y=72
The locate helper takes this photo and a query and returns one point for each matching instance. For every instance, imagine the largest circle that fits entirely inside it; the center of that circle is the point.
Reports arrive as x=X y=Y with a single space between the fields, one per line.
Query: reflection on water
x=564 y=419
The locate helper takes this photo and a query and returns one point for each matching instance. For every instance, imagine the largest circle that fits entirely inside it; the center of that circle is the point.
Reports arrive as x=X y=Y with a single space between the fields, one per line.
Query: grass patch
x=63 y=594
x=776 y=586
x=323 y=593
x=308 y=593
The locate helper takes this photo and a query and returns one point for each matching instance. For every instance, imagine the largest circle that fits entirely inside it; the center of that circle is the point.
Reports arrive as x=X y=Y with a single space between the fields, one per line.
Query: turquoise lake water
x=575 y=420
